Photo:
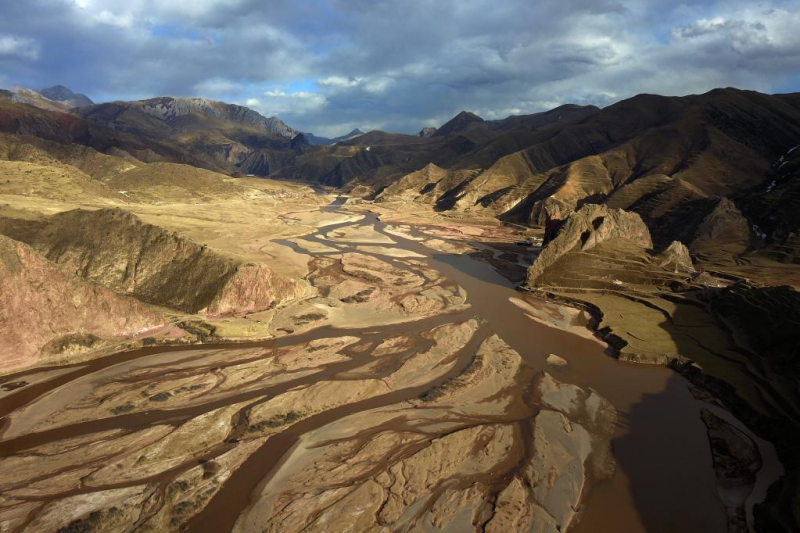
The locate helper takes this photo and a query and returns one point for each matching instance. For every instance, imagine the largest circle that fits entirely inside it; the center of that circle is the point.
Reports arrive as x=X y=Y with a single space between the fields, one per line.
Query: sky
x=328 y=66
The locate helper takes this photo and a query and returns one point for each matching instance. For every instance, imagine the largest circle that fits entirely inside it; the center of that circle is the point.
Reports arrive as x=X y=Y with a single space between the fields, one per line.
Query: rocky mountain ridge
x=672 y=160
x=30 y=97
x=170 y=109
x=203 y=132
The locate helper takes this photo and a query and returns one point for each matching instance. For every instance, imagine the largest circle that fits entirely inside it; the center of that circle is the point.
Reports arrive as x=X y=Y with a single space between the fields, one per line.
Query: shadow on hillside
x=767 y=319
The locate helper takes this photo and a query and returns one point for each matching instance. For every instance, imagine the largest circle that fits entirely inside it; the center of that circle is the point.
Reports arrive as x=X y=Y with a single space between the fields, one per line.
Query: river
x=663 y=482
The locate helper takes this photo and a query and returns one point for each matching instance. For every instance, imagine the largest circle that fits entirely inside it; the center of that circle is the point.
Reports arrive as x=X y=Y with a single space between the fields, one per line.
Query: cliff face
x=587 y=228
x=45 y=311
x=116 y=249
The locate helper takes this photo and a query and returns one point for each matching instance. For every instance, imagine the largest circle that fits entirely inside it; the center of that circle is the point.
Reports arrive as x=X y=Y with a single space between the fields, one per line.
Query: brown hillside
x=45 y=311
x=21 y=119
x=115 y=249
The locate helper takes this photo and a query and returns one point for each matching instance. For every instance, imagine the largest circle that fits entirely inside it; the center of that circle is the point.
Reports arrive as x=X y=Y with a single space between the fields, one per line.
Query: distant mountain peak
x=458 y=124
x=299 y=142
x=36 y=99
x=59 y=93
x=314 y=140
x=469 y=115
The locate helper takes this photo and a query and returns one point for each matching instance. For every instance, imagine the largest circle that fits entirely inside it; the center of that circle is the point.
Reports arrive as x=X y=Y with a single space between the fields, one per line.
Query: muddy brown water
x=663 y=481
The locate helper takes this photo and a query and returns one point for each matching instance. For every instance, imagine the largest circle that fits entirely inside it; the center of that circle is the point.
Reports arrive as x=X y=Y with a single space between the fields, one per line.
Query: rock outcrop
x=723 y=226
x=114 y=248
x=676 y=257
x=45 y=311
x=550 y=213
x=426 y=132
x=587 y=228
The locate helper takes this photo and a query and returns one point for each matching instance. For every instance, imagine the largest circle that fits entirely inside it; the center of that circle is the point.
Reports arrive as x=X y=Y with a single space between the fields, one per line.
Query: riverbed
x=663 y=480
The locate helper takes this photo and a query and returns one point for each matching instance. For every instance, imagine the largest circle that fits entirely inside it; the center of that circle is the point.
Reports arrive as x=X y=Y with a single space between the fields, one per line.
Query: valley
x=577 y=320
x=162 y=437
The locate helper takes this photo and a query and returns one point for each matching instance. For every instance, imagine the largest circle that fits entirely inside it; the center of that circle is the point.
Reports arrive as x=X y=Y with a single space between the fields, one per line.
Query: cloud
x=331 y=65
x=338 y=81
x=216 y=87
x=759 y=38
x=278 y=102
x=22 y=47
x=121 y=20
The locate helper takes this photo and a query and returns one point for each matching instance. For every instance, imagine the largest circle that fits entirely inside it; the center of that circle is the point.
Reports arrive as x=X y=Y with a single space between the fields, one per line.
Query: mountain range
x=324 y=141
x=720 y=162
x=56 y=98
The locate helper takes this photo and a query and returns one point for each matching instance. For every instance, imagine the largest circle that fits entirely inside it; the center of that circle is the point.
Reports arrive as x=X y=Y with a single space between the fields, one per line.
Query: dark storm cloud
x=331 y=65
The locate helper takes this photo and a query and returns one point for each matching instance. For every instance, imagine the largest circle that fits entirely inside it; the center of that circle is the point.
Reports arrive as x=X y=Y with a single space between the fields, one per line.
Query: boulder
x=555 y=360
